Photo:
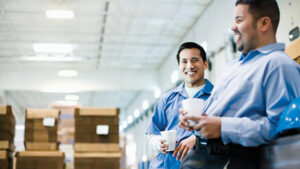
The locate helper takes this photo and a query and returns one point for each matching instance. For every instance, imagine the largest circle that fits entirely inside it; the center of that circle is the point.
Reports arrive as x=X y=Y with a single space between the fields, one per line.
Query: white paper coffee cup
x=170 y=139
x=193 y=107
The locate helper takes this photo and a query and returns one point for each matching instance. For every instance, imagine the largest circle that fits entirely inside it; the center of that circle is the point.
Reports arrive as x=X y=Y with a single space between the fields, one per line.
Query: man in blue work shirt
x=192 y=62
x=246 y=103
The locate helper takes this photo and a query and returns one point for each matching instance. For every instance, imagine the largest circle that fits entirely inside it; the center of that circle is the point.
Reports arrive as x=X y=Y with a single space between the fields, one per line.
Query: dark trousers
x=200 y=159
x=231 y=156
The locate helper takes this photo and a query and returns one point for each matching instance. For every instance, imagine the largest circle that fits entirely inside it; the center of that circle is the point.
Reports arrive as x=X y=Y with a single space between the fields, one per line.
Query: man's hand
x=184 y=146
x=208 y=126
x=163 y=147
x=183 y=123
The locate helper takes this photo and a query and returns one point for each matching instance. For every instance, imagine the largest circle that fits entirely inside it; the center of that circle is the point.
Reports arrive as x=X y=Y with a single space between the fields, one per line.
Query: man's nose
x=234 y=27
x=189 y=64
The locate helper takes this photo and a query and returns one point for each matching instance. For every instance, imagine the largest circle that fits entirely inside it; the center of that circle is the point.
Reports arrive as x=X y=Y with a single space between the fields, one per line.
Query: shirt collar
x=206 y=89
x=263 y=50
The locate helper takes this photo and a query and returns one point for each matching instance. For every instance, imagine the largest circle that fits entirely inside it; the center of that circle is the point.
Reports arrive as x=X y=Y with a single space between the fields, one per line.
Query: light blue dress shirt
x=166 y=117
x=252 y=93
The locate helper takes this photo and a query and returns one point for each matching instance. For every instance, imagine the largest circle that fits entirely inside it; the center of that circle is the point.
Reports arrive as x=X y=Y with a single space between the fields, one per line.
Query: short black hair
x=262 y=8
x=190 y=45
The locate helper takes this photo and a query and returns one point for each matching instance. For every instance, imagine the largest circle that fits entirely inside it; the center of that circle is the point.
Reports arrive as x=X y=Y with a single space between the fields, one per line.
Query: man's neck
x=189 y=85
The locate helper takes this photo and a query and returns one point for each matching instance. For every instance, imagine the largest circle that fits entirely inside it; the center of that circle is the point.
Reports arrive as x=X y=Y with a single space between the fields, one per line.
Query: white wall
x=2 y=97
x=212 y=27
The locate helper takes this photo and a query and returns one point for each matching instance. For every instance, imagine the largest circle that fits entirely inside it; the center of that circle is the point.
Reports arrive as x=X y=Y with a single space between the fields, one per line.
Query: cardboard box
x=41 y=146
x=97 y=147
x=40 y=160
x=293 y=50
x=298 y=60
x=6 y=159
x=97 y=160
x=7 y=145
x=7 y=123
x=38 y=135
x=87 y=120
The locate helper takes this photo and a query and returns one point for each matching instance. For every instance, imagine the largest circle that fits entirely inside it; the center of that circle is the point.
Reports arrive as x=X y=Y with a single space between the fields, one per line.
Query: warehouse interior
x=110 y=54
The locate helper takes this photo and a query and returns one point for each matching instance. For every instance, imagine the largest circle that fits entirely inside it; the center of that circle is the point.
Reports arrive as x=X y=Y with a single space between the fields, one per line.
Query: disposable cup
x=193 y=107
x=170 y=138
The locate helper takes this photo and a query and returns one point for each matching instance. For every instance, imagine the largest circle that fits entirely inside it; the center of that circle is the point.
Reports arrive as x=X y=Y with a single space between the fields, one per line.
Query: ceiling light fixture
x=72 y=97
x=67 y=73
x=52 y=48
x=60 y=14
x=157 y=93
x=129 y=119
x=65 y=103
x=204 y=45
x=145 y=104
x=51 y=58
x=136 y=113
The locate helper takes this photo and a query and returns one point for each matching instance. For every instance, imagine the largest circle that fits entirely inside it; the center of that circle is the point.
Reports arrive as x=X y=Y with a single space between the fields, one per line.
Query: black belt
x=216 y=146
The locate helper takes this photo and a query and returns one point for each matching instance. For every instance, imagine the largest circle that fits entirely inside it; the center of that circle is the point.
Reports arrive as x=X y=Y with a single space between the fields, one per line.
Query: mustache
x=236 y=32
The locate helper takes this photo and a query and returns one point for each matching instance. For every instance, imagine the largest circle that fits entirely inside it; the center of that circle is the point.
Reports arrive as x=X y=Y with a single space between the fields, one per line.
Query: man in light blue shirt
x=247 y=101
x=192 y=62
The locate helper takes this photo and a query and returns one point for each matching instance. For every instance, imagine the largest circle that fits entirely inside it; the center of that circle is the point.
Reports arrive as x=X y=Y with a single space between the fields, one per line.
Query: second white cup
x=170 y=138
x=193 y=107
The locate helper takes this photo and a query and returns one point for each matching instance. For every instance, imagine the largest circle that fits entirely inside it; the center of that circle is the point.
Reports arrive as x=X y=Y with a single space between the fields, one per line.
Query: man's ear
x=265 y=24
x=205 y=65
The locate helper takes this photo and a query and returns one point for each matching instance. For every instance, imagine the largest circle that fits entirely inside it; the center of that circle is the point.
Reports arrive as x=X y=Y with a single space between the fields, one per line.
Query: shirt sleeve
x=280 y=87
x=154 y=142
x=158 y=120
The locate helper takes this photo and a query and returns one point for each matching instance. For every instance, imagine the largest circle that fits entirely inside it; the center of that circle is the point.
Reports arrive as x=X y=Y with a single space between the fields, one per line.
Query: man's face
x=245 y=32
x=192 y=67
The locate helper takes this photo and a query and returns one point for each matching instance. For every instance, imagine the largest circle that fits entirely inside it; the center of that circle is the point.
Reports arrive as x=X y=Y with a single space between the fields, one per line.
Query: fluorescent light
x=72 y=97
x=144 y=158
x=53 y=48
x=136 y=113
x=174 y=76
x=124 y=124
x=60 y=14
x=66 y=103
x=67 y=73
x=157 y=93
x=145 y=104
x=204 y=45
x=129 y=119
x=51 y=58
x=60 y=90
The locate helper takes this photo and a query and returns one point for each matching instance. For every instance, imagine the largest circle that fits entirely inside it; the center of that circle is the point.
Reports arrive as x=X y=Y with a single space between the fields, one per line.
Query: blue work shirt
x=166 y=117
x=252 y=93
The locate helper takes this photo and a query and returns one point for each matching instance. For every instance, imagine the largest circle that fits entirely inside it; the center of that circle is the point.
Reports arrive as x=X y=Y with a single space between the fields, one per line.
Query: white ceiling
x=118 y=46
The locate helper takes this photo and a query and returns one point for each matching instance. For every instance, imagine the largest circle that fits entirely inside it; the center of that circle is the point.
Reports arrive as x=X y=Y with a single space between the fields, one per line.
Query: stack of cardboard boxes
x=97 y=138
x=293 y=50
x=41 y=141
x=7 y=133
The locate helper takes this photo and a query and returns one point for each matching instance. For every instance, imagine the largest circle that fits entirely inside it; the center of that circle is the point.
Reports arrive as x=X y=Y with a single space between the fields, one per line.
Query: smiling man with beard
x=246 y=103
x=192 y=62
